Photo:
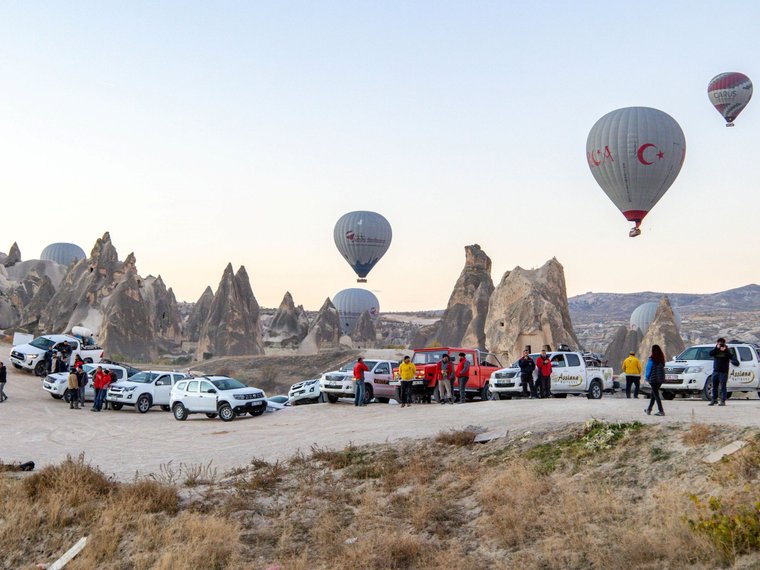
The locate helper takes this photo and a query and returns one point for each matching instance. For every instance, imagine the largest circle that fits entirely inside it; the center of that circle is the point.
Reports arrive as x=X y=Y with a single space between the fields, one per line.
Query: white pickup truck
x=572 y=373
x=56 y=384
x=32 y=356
x=144 y=390
x=377 y=382
x=691 y=371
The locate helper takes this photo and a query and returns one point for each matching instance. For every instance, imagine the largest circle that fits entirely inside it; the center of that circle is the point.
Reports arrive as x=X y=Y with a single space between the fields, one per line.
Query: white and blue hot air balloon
x=351 y=303
x=362 y=238
x=643 y=315
x=63 y=253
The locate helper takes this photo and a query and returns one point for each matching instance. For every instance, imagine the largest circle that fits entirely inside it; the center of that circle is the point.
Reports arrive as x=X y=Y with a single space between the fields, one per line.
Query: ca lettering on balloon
x=596 y=157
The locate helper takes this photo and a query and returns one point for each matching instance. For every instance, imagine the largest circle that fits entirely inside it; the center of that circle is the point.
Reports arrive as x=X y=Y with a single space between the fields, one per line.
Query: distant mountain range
x=621 y=305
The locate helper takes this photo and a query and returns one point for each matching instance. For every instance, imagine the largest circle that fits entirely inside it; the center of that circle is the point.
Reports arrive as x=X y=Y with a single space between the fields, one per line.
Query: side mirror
x=211 y=391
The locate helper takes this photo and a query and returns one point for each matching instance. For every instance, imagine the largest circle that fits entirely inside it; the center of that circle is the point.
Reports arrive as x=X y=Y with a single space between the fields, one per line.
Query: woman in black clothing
x=656 y=376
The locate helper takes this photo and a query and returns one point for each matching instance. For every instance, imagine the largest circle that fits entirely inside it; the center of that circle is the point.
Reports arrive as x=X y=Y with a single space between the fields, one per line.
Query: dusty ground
x=36 y=427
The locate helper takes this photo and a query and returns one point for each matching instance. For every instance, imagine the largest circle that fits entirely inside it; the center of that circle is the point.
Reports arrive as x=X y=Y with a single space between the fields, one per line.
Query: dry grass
x=700 y=434
x=459 y=438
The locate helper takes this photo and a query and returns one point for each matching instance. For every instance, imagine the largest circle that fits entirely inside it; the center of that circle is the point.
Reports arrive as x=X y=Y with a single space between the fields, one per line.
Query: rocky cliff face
x=364 y=334
x=13 y=256
x=164 y=315
x=529 y=307
x=324 y=331
x=289 y=326
x=127 y=330
x=624 y=341
x=662 y=331
x=30 y=316
x=463 y=322
x=198 y=315
x=233 y=325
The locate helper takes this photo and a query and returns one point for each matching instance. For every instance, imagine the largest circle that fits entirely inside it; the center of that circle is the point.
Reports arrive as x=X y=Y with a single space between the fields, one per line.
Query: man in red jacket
x=359 y=369
x=544 y=366
x=462 y=374
x=99 y=383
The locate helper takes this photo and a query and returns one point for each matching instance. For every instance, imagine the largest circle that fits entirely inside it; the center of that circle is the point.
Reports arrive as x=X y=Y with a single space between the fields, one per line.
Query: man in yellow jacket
x=632 y=371
x=406 y=371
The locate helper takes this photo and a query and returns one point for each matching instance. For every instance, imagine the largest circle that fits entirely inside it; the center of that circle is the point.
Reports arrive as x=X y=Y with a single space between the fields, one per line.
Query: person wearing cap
x=632 y=371
x=462 y=374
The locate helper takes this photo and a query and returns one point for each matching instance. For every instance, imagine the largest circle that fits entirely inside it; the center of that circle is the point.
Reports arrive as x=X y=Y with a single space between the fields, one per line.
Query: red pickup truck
x=426 y=360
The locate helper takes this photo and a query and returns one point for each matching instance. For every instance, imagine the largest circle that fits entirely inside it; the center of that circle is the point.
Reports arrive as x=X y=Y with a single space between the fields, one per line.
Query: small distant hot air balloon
x=729 y=93
x=362 y=238
x=635 y=154
x=63 y=253
x=351 y=303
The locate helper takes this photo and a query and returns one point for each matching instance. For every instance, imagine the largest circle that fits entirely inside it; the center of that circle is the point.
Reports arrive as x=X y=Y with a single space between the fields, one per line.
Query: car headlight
x=130 y=388
x=31 y=357
x=311 y=382
x=693 y=370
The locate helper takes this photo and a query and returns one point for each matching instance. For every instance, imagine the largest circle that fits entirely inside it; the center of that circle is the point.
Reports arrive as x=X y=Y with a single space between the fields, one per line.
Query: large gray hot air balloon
x=63 y=253
x=643 y=315
x=351 y=303
x=362 y=238
x=635 y=154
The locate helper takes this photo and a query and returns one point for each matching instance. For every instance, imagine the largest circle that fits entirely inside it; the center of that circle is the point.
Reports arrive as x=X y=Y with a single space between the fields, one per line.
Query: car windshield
x=349 y=366
x=428 y=357
x=698 y=353
x=41 y=342
x=228 y=384
x=143 y=377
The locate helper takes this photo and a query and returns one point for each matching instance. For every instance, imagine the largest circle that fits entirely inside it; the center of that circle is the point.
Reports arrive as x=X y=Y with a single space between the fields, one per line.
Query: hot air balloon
x=362 y=238
x=351 y=303
x=635 y=154
x=729 y=93
x=63 y=253
x=643 y=315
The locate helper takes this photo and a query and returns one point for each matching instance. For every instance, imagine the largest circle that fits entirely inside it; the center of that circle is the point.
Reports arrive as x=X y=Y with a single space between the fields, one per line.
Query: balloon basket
x=729 y=124
x=634 y=232
x=361 y=280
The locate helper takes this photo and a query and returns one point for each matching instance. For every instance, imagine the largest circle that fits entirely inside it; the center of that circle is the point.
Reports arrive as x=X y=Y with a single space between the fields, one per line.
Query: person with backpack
x=544 y=365
x=3 y=380
x=359 y=369
x=463 y=375
x=722 y=360
x=527 y=366
x=443 y=372
x=655 y=377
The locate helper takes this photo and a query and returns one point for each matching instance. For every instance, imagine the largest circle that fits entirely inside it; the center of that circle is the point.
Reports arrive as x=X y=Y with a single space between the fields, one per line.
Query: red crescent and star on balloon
x=642 y=149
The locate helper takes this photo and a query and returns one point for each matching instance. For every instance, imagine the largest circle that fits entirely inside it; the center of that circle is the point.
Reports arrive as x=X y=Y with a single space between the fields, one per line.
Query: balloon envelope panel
x=729 y=93
x=635 y=155
x=362 y=238
x=351 y=303
x=63 y=253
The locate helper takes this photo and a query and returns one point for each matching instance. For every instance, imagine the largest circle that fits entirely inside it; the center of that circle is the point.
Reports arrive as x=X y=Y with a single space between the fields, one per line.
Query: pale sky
x=202 y=133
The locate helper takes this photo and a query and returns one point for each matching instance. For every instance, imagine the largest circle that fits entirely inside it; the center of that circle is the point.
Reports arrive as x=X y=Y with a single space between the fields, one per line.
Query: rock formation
x=364 y=334
x=324 y=331
x=127 y=331
x=289 y=326
x=463 y=322
x=662 y=331
x=30 y=316
x=233 y=325
x=624 y=341
x=163 y=312
x=198 y=316
x=13 y=257
x=529 y=307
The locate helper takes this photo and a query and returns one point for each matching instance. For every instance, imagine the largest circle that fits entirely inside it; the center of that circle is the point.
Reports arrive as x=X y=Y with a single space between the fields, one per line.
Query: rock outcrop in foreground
x=364 y=334
x=624 y=341
x=324 y=332
x=198 y=316
x=289 y=326
x=233 y=325
x=529 y=307
x=662 y=331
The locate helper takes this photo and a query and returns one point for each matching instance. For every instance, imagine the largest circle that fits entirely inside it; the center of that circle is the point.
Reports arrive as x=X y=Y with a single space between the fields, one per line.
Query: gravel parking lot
x=34 y=426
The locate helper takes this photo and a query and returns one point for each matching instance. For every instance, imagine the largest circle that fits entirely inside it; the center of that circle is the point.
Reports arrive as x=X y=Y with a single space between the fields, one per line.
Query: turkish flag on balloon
x=635 y=155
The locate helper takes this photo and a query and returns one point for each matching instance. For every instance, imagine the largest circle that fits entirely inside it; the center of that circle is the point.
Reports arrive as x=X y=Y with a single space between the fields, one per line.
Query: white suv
x=57 y=384
x=305 y=392
x=144 y=390
x=216 y=395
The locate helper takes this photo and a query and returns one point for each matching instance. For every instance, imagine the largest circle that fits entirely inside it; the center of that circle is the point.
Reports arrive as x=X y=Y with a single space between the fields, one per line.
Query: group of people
x=58 y=359
x=655 y=375
x=77 y=381
x=542 y=387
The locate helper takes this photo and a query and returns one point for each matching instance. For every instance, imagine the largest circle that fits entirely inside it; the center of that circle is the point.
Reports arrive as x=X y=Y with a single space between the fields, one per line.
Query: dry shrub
x=699 y=434
x=458 y=438
x=392 y=549
x=147 y=496
x=740 y=467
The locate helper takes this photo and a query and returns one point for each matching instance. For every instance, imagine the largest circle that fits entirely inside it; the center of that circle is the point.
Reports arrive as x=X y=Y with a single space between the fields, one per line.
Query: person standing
x=99 y=383
x=406 y=371
x=73 y=390
x=444 y=371
x=3 y=380
x=359 y=369
x=722 y=360
x=81 y=382
x=65 y=351
x=527 y=366
x=632 y=371
x=463 y=375
x=110 y=378
x=544 y=365
x=656 y=376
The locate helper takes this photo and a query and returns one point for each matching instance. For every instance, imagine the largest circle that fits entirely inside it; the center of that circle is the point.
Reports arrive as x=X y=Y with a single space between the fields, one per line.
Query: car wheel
x=707 y=391
x=226 y=414
x=211 y=416
x=143 y=404
x=332 y=398
x=668 y=395
x=485 y=393
x=166 y=408
x=180 y=413
x=116 y=406
x=596 y=391
x=257 y=412
x=368 y=394
x=40 y=369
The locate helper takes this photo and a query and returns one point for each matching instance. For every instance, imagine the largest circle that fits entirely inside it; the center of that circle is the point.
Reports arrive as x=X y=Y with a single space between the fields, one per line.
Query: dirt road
x=34 y=426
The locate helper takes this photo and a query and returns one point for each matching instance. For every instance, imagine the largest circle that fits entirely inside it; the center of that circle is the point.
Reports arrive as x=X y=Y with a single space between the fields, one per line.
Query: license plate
x=418 y=382
x=671 y=377
x=333 y=385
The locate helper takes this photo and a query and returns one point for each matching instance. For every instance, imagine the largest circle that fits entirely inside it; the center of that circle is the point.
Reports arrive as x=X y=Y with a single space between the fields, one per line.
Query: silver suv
x=216 y=395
